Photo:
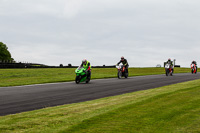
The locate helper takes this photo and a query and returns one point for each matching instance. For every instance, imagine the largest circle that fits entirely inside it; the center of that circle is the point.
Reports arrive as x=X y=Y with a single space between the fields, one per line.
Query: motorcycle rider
x=194 y=62
x=171 y=64
x=124 y=62
x=87 y=66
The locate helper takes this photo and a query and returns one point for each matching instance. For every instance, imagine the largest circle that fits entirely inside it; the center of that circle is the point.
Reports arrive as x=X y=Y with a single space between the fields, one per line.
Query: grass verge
x=17 y=77
x=173 y=108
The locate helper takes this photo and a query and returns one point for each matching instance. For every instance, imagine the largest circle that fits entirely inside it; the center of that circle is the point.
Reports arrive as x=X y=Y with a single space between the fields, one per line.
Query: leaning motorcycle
x=122 y=72
x=193 y=68
x=168 y=70
x=81 y=75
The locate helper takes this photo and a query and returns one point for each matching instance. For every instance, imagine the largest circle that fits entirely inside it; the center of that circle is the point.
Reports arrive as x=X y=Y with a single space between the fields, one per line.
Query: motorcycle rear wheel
x=87 y=80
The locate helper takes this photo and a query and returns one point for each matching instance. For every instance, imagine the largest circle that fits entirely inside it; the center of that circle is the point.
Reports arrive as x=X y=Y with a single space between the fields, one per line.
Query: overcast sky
x=145 y=32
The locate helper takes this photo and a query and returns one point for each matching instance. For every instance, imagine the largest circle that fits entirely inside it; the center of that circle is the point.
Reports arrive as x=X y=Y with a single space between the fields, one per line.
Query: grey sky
x=145 y=32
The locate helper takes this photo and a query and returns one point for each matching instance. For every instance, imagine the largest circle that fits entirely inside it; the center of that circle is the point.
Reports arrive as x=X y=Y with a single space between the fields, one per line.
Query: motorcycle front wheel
x=119 y=74
x=126 y=75
x=171 y=74
x=167 y=72
x=78 y=79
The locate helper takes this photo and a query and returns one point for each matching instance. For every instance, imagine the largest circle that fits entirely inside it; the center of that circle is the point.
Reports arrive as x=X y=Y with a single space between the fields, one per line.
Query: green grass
x=173 y=108
x=16 y=77
x=162 y=113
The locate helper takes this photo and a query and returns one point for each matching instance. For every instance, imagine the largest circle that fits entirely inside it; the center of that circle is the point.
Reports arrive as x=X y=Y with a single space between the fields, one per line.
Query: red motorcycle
x=122 y=72
x=193 y=68
x=168 y=70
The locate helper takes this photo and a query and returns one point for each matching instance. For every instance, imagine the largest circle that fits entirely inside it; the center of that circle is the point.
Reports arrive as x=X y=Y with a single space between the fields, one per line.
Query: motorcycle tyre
x=126 y=75
x=87 y=81
x=119 y=74
x=167 y=72
x=171 y=74
x=78 y=79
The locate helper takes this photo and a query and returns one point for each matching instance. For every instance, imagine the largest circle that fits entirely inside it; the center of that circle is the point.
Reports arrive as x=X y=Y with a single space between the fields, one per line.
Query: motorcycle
x=81 y=75
x=193 y=68
x=122 y=72
x=168 y=69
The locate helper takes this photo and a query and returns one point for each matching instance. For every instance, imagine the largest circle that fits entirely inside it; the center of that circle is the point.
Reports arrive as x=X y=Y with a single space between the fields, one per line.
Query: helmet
x=169 y=59
x=122 y=58
x=84 y=61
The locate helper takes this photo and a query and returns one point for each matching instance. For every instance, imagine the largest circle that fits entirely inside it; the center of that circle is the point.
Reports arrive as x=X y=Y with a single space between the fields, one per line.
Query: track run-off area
x=31 y=97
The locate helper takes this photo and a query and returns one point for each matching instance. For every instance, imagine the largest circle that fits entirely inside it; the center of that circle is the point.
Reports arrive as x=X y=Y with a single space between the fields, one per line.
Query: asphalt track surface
x=26 y=98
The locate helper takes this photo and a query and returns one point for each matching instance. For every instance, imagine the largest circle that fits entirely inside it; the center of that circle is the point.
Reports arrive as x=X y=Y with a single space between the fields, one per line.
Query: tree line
x=4 y=53
x=6 y=61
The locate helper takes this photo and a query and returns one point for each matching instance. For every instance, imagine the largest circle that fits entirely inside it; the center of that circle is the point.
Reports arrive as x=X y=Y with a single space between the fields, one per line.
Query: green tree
x=4 y=53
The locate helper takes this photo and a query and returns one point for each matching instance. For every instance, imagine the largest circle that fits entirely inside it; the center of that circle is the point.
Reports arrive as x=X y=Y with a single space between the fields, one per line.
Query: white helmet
x=84 y=61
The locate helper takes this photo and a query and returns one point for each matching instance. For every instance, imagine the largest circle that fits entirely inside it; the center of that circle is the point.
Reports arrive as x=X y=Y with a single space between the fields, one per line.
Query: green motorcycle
x=81 y=75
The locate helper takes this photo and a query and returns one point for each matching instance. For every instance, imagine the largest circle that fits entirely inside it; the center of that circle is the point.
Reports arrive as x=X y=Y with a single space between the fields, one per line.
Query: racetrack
x=25 y=98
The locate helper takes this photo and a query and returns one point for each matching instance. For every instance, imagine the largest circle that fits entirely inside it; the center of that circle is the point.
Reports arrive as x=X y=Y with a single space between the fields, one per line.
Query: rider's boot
x=89 y=75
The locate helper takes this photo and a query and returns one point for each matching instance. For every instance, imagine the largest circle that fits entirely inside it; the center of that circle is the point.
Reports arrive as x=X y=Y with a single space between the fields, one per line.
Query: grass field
x=174 y=108
x=16 y=77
